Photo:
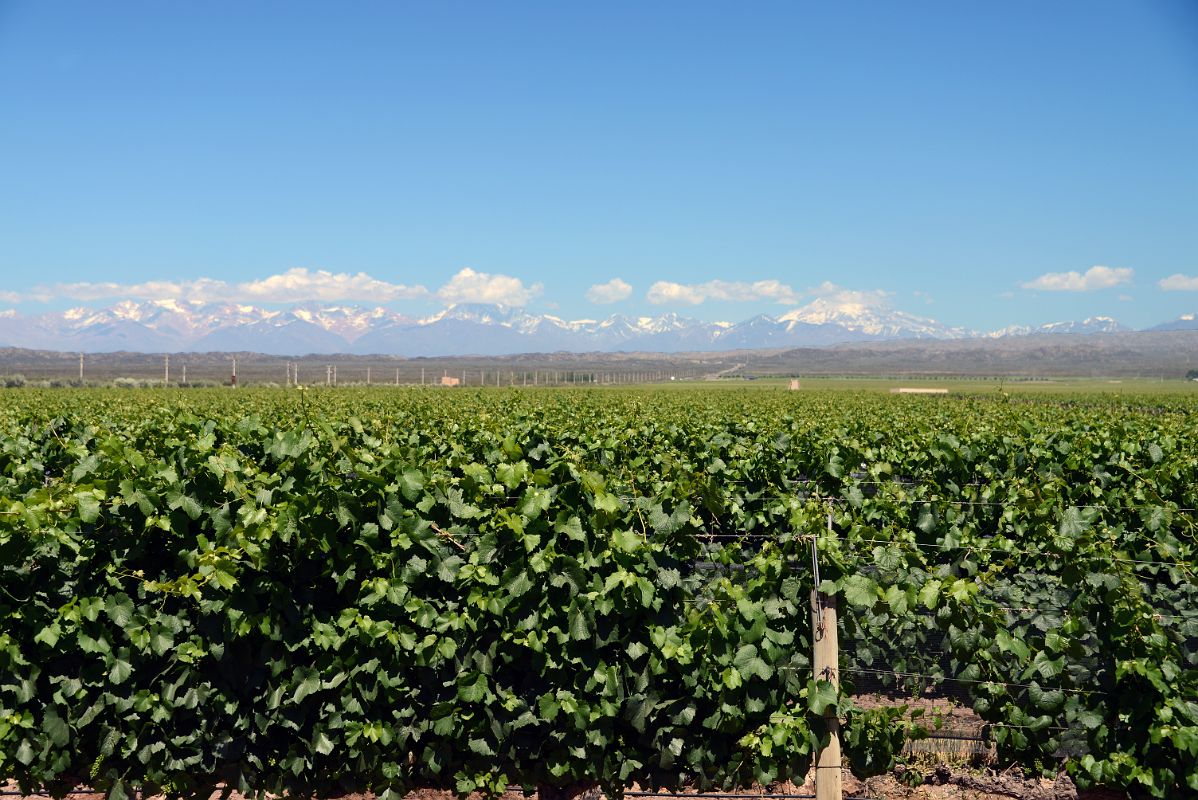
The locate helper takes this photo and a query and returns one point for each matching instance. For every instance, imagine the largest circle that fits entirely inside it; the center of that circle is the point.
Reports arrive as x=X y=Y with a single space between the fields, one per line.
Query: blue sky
x=954 y=160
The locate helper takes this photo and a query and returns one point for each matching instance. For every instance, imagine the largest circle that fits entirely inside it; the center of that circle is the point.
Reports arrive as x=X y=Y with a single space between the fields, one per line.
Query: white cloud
x=300 y=284
x=469 y=286
x=665 y=292
x=611 y=292
x=1097 y=277
x=870 y=298
x=1179 y=283
x=294 y=285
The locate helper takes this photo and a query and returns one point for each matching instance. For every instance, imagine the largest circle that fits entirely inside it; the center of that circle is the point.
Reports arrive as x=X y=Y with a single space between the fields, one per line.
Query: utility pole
x=234 y=381
x=184 y=372
x=826 y=660
x=397 y=376
x=328 y=374
x=166 y=369
x=368 y=376
x=81 y=367
x=422 y=376
x=334 y=374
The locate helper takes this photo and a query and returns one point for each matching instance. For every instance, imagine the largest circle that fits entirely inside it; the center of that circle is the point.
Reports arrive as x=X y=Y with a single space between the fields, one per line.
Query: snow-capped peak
x=175 y=325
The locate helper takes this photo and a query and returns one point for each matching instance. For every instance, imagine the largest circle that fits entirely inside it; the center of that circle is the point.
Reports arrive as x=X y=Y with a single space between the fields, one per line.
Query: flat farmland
x=564 y=588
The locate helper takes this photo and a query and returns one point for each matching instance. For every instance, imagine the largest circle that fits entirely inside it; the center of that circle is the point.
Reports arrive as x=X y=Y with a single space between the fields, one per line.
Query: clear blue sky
x=944 y=153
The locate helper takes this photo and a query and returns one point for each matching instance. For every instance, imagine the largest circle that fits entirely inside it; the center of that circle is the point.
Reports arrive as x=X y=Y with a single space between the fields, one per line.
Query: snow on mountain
x=1186 y=322
x=175 y=325
x=1088 y=325
x=348 y=322
x=871 y=319
x=1085 y=326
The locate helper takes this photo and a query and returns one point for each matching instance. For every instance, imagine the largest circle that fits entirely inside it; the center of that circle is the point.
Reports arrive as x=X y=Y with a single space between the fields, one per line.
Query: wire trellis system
x=1009 y=685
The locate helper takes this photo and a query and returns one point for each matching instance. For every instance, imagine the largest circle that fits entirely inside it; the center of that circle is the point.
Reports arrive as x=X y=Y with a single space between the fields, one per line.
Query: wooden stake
x=826 y=660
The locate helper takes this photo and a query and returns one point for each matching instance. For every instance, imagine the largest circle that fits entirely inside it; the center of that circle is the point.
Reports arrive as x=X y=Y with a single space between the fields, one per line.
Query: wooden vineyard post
x=826 y=662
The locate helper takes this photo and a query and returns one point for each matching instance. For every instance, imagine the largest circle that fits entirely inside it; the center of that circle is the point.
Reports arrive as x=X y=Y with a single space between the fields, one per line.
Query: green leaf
x=888 y=558
x=88 y=506
x=119 y=608
x=821 y=695
x=1156 y=517
x=1072 y=525
x=896 y=598
x=519 y=584
x=859 y=591
x=929 y=594
x=1009 y=643
x=307 y=683
x=120 y=671
x=628 y=541
x=1045 y=700
x=472 y=690
x=749 y=664
x=56 y=729
x=411 y=484
x=835 y=466
x=579 y=628
x=1046 y=667
x=48 y=635
x=571 y=527
x=607 y=502
x=549 y=707
x=448 y=569
x=855 y=497
x=927 y=519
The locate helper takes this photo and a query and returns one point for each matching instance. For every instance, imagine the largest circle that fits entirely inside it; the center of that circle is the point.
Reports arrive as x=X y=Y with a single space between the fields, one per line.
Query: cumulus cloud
x=839 y=295
x=667 y=292
x=611 y=292
x=470 y=286
x=294 y=285
x=1179 y=283
x=300 y=284
x=1094 y=278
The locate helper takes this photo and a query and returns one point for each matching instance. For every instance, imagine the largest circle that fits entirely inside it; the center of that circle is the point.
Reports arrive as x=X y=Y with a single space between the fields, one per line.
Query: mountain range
x=471 y=329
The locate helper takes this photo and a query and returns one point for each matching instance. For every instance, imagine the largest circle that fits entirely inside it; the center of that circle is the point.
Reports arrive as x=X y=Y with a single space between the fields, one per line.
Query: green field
x=561 y=587
x=958 y=385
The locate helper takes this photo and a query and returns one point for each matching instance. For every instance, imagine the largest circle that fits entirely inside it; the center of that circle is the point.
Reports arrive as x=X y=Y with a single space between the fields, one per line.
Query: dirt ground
x=944 y=784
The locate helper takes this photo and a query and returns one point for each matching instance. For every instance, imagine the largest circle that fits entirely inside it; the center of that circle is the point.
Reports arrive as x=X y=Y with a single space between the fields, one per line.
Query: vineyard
x=313 y=590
